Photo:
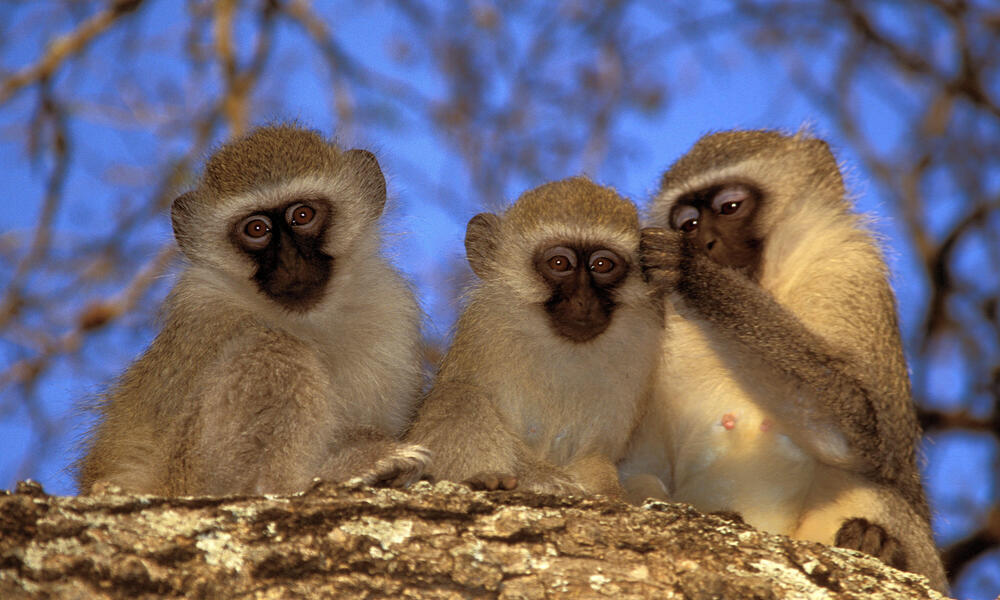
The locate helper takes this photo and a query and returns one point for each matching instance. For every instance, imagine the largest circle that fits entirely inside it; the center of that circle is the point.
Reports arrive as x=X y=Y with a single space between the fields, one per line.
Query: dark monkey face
x=582 y=280
x=286 y=243
x=719 y=219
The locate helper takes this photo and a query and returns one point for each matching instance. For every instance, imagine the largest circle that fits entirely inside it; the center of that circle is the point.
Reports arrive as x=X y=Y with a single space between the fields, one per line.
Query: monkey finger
x=655 y=236
x=508 y=482
x=654 y=242
x=865 y=536
x=490 y=481
x=659 y=251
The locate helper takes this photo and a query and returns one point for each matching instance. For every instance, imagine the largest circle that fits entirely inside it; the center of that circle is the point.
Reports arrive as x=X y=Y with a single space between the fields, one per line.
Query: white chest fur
x=583 y=399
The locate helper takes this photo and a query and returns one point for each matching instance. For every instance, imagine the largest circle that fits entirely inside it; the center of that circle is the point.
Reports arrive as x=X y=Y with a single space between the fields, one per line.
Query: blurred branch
x=966 y=81
x=66 y=46
x=934 y=420
x=93 y=316
x=49 y=112
x=958 y=555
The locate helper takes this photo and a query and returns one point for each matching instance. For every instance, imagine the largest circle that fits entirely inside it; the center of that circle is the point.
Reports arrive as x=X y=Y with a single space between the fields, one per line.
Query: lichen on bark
x=432 y=541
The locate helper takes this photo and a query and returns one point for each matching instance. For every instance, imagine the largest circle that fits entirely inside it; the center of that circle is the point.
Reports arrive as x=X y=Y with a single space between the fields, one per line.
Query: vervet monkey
x=289 y=348
x=554 y=353
x=783 y=393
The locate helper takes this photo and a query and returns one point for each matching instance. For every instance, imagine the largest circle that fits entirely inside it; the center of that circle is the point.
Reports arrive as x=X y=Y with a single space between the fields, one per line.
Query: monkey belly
x=724 y=451
x=739 y=463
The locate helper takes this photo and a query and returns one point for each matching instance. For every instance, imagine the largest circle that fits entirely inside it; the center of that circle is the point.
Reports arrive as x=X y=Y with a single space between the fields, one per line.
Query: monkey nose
x=710 y=244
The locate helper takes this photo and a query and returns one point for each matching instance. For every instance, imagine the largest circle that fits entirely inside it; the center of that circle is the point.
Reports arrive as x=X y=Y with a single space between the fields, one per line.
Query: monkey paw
x=861 y=534
x=553 y=485
x=660 y=257
x=403 y=467
x=491 y=481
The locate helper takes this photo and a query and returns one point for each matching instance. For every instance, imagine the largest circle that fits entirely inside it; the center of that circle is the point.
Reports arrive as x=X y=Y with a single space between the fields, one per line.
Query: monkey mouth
x=579 y=330
x=299 y=285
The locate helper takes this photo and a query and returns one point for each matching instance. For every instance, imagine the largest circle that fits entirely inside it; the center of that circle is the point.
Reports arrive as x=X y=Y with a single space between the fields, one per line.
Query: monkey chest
x=561 y=425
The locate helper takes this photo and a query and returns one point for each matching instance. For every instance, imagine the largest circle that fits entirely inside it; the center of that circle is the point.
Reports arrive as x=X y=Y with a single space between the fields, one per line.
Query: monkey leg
x=543 y=477
x=844 y=509
x=638 y=488
x=459 y=424
x=596 y=475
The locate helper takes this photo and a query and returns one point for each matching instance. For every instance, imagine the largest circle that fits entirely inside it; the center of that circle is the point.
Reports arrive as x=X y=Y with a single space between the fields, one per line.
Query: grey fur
x=237 y=394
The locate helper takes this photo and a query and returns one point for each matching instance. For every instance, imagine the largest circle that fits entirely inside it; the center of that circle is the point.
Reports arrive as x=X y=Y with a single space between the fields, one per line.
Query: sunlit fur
x=511 y=395
x=238 y=394
x=807 y=469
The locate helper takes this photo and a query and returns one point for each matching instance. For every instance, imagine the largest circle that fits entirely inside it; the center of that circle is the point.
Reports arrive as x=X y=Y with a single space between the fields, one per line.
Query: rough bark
x=440 y=541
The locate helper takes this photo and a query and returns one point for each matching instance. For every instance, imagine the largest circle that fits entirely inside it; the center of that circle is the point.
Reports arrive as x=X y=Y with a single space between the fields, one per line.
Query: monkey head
x=732 y=189
x=567 y=248
x=278 y=208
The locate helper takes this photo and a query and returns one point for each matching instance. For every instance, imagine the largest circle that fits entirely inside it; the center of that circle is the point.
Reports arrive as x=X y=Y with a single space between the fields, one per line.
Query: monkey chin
x=580 y=330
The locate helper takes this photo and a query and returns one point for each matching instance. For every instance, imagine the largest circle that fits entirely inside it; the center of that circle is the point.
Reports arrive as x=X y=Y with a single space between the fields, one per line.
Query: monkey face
x=720 y=221
x=286 y=245
x=582 y=279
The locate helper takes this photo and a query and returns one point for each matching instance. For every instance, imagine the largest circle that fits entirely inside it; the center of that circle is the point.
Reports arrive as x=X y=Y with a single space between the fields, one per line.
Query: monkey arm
x=267 y=421
x=839 y=427
x=464 y=432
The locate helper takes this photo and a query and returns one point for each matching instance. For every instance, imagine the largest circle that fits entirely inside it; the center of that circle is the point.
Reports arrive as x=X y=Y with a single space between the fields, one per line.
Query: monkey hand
x=863 y=535
x=660 y=257
x=404 y=466
x=554 y=487
x=546 y=479
x=491 y=481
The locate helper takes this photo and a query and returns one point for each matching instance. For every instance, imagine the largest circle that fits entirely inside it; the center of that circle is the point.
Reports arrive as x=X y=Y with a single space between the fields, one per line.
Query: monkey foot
x=860 y=534
x=402 y=468
x=491 y=481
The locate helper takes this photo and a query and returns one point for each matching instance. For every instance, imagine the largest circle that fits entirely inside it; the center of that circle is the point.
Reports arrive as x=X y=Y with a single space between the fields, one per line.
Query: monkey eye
x=299 y=215
x=729 y=200
x=685 y=218
x=559 y=263
x=601 y=264
x=605 y=265
x=559 y=260
x=255 y=231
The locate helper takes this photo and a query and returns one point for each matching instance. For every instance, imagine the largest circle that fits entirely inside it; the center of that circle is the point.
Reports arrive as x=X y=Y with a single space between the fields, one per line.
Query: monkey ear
x=480 y=242
x=826 y=159
x=365 y=166
x=822 y=147
x=180 y=214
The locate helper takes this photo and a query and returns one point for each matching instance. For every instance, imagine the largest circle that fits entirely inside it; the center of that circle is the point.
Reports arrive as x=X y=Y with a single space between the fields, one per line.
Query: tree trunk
x=433 y=541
